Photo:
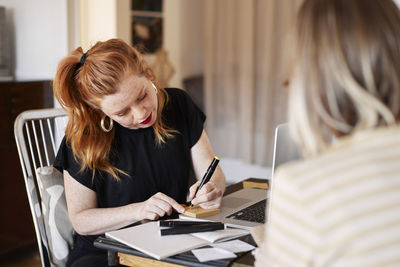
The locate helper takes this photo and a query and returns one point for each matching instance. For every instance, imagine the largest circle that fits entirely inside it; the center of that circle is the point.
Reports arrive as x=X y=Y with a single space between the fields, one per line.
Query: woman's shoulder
x=176 y=94
x=304 y=172
x=67 y=160
x=182 y=114
x=178 y=101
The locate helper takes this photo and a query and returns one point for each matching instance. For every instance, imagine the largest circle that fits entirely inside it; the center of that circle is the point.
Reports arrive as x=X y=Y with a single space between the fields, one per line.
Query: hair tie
x=83 y=58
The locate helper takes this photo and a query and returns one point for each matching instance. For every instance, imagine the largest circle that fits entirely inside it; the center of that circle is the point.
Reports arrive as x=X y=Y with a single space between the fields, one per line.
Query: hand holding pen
x=206 y=178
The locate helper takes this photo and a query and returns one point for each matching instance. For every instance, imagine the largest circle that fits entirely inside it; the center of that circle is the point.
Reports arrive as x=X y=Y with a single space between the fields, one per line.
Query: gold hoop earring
x=110 y=126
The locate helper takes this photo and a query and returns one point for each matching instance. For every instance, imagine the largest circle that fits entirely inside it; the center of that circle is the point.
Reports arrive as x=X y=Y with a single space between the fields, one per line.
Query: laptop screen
x=285 y=150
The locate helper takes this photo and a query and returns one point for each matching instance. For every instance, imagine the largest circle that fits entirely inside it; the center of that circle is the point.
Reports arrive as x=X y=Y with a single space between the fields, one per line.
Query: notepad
x=221 y=235
x=146 y=238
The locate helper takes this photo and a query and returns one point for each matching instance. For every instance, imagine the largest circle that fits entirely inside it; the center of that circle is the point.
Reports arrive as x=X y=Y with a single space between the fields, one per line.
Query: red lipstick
x=146 y=121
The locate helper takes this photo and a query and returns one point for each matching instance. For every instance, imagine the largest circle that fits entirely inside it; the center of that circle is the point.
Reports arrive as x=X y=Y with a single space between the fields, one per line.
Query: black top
x=151 y=168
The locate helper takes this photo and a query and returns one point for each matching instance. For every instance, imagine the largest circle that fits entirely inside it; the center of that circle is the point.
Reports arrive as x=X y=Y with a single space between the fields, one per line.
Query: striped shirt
x=341 y=208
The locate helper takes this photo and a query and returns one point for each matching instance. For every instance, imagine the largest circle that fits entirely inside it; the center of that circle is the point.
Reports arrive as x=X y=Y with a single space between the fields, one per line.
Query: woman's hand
x=208 y=197
x=210 y=194
x=157 y=206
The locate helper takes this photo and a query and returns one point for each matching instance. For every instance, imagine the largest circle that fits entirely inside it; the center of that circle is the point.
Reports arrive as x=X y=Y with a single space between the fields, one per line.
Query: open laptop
x=246 y=208
x=285 y=150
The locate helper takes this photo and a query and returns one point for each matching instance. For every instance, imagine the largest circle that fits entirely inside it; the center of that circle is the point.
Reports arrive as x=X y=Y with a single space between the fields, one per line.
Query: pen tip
x=217 y=158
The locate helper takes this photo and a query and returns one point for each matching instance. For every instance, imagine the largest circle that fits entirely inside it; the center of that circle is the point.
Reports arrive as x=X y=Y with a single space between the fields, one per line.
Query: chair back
x=38 y=134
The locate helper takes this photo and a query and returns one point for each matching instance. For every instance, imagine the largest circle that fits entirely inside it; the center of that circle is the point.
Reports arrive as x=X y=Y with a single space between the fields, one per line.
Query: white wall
x=101 y=20
x=192 y=38
x=43 y=35
x=40 y=36
x=184 y=37
x=172 y=32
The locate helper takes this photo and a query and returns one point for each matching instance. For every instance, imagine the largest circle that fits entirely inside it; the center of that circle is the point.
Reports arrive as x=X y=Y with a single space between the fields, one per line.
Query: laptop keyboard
x=253 y=213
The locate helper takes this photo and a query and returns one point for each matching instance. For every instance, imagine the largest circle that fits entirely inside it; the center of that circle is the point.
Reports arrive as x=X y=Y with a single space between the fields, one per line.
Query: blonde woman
x=128 y=146
x=340 y=206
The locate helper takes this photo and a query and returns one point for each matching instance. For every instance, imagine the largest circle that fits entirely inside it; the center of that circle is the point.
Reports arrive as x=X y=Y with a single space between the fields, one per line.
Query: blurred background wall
x=227 y=54
x=38 y=34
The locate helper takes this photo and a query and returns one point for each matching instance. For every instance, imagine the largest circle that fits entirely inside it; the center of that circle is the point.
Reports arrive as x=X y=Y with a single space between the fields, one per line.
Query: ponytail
x=90 y=145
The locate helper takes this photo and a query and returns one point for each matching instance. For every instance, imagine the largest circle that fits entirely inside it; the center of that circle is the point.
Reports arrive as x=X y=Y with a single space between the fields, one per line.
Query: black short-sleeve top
x=151 y=168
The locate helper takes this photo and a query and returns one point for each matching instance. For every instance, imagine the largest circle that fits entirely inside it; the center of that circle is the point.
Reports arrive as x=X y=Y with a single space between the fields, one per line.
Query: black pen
x=192 y=229
x=184 y=223
x=207 y=176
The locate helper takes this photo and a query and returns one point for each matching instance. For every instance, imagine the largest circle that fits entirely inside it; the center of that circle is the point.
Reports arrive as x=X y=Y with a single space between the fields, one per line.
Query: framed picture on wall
x=147 y=25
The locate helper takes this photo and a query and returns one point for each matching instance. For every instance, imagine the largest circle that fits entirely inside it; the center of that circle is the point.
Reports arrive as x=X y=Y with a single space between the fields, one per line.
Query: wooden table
x=121 y=254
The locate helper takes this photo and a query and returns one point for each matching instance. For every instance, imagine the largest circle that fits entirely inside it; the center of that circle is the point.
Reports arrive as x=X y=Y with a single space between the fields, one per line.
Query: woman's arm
x=210 y=195
x=88 y=219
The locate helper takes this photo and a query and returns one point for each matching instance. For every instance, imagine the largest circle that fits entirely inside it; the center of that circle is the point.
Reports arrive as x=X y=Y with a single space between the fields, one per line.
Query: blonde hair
x=79 y=89
x=346 y=70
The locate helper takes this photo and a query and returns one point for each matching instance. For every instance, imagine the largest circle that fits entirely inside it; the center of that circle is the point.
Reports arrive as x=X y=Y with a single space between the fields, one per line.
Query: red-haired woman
x=128 y=145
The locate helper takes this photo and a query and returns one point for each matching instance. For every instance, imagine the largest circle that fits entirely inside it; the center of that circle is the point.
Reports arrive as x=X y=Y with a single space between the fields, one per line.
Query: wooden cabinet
x=16 y=225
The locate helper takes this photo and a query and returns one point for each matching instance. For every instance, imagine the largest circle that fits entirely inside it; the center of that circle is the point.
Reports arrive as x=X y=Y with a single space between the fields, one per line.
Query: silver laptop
x=233 y=204
x=285 y=150
x=246 y=208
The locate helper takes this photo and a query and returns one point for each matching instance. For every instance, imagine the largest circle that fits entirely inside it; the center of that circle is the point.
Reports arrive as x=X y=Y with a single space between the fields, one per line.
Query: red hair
x=79 y=89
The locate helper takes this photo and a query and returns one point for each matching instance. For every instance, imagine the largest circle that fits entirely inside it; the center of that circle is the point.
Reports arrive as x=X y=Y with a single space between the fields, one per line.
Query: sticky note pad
x=198 y=212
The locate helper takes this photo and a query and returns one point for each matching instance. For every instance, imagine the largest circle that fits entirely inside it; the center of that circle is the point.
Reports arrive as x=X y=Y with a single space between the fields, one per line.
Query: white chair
x=38 y=134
